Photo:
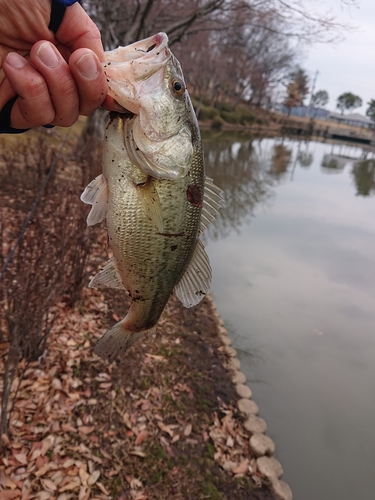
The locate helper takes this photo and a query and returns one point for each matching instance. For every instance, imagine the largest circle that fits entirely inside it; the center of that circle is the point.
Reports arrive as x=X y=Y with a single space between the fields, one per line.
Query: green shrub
x=207 y=112
x=217 y=123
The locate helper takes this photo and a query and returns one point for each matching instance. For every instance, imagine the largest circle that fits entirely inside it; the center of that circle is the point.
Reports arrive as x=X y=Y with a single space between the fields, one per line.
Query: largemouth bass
x=153 y=192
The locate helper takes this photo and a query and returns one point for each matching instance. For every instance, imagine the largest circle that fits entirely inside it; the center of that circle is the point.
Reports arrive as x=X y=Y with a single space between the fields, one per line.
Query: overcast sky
x=348 y=66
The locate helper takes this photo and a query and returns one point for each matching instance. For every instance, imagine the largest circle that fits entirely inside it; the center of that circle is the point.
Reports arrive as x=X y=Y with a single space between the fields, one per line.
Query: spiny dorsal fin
x=108 y=277
x=195 y=282
x=212 y=201
x=96 y=194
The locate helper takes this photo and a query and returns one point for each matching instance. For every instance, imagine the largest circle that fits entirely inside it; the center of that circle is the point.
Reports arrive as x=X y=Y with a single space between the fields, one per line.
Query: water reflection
x=298 y=285
x=364 y=177
x=281 y=159
x=237 y=168
x=333 y=163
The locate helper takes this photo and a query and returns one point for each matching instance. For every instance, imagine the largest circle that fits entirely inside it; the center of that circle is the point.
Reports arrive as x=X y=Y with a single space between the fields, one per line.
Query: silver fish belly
x=152 y=193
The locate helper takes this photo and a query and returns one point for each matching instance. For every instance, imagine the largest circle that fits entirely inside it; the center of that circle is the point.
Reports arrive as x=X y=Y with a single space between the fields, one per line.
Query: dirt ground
x=144 y=427
x=160 y=424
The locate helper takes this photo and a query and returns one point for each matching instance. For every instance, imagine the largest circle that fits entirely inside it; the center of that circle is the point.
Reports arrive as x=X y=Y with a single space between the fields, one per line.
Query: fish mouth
x=128 y=68
x=147 y=49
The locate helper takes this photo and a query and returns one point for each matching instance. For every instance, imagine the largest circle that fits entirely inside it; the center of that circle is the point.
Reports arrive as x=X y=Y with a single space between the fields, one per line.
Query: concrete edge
x=261 y=445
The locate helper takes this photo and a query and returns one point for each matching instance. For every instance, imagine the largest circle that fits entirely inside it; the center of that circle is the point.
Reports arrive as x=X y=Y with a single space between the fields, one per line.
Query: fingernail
x=15 y=60
x=87 y=66
x=47 y=55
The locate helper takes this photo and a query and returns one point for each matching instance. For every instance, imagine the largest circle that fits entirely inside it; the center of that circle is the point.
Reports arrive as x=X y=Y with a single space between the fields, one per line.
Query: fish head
x=146 y=79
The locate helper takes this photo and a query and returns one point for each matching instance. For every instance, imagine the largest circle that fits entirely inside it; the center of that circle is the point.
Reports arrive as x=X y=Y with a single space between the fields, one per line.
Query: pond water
x=293 y=258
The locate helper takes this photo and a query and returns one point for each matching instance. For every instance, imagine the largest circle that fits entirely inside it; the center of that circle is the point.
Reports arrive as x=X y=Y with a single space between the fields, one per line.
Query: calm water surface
x=293 y=257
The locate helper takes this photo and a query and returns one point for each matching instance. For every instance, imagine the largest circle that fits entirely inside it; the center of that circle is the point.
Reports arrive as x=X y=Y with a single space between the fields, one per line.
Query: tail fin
x=117 y=340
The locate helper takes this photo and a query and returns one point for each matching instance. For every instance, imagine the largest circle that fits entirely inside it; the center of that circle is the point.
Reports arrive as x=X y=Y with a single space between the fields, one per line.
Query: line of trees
x=231 y=50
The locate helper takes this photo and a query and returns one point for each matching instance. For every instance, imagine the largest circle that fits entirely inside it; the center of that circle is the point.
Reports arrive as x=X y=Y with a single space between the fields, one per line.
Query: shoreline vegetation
x=261 y=122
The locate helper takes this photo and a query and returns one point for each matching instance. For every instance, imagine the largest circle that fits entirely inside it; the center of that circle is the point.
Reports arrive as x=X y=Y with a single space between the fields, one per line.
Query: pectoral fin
x=108 y=277
x=212 y=201
x=96 y=194
x=151 y=203
x=196 y=281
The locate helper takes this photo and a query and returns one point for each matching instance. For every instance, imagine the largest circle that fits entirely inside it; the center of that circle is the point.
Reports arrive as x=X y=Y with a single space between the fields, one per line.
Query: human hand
x=55 y=76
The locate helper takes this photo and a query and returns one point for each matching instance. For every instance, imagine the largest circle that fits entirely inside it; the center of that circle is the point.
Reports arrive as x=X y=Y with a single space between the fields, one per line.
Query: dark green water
x=293 y=257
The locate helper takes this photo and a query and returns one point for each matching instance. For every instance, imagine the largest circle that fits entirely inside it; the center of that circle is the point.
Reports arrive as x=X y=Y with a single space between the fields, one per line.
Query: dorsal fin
x=212 y=201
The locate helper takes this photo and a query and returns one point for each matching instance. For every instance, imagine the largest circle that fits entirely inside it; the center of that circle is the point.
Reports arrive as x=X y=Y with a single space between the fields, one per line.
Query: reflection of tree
x=305 y=158
x=237 y=170
x=364 y=176
x=280 y=159
x=333 y=163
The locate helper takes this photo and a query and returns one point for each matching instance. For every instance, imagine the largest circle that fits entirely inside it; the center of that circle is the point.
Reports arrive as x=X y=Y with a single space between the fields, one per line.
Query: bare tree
x=245 y=42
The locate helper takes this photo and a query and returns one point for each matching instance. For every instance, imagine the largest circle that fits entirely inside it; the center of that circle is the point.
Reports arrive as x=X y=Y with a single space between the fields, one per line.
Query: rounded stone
x=261 y=445
x=243 y=391
x=269 y=467
x=234 y=364
x=229 y=350
x=248 y=407
x=225 y=340
x=255 y=425
x=282 y=490
x=222 y=331
x=239 y=378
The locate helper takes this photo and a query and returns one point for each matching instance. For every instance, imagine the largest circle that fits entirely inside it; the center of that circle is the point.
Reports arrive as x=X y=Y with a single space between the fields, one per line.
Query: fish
x=153 y=192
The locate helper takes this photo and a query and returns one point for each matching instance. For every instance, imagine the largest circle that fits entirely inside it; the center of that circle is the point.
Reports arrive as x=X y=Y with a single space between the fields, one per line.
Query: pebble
x=282 y=489
x=261 y=445
x=233 y=364
x=222 y=331
x=248 y=407
x=225 y=340
x=243 y=391
x=229 y=350
x=255 y=425
x=269 y=467
x=239 y=378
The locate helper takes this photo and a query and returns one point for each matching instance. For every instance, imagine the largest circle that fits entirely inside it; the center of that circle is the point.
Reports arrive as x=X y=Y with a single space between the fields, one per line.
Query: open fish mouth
x=128 y=69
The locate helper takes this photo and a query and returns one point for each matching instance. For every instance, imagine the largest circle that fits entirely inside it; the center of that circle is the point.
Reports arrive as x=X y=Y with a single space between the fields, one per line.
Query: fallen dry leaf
x=242 y=468
x=93 y=477
x=141 y=437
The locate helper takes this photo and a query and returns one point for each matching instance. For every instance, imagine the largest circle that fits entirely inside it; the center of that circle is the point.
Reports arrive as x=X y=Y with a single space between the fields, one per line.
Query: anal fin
x=108 y=277
x=96 y=194
x=196 y=281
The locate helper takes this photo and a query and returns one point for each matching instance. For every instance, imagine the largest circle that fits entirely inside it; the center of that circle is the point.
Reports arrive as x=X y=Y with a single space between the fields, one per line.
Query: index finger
x=78 y=31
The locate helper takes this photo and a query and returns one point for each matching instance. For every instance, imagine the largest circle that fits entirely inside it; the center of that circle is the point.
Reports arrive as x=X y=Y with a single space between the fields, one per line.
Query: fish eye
x=178 y=87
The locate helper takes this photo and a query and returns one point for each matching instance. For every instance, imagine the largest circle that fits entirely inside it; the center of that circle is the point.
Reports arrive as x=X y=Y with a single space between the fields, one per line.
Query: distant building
x=354 y=119
x=308 y=111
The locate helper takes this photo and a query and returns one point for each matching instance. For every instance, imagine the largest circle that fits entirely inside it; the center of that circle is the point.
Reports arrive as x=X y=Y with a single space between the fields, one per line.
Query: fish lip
x=144 y=49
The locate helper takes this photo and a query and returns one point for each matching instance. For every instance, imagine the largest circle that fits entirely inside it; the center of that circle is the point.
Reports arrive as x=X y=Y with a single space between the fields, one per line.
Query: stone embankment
x=261 y=445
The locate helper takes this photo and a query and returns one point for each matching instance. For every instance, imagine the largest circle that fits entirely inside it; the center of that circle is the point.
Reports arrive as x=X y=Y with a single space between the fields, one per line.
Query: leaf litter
x=161 y=423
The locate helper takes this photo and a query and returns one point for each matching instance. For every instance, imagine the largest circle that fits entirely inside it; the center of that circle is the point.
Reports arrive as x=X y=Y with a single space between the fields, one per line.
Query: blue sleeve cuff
x=67 y=3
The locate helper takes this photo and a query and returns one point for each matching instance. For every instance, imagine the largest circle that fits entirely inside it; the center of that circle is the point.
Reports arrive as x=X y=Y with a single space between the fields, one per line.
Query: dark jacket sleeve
x=58 y=8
